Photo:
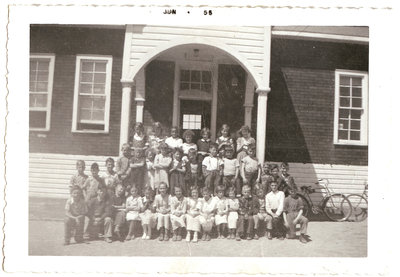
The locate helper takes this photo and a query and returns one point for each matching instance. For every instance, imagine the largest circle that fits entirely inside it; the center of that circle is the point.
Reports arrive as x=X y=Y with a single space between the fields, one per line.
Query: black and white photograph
x=169 y=142
x=246 y=140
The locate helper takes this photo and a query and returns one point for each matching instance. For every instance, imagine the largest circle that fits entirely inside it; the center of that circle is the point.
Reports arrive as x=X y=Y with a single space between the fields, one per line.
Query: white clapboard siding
x=49 y=175
x=248 y=41
x=344 y=179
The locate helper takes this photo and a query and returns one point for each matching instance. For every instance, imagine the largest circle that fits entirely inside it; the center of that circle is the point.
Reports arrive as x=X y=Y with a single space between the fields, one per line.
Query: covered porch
x=195 y=81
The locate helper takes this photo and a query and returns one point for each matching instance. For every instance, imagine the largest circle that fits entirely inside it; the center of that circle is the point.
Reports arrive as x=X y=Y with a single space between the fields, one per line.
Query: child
x=293 y=214
x=150 y=176
x=139 y=139
x=110 y=177
x=75 y=211
x=156 y=137
x=250 y=168
x=285 y=181
x=211 y=168
x=247 y=208
x=207 y=214
x=261 y=215
x=243 y=142
x=193 y=215
x=224 y=140
x=133 y=206
x=274 y=207
x=118 y=209
x=80 y=177
x=266 y=178
x=177 y=172
x=178 y=211
x=230 y=171
x=162 y=202
x=188 y=144
x=99 y=212
x=162 y=163
x=203 y=144
x=221 y=216
x=93 y=183
x=174 y=141
x=122 y=166
x=233 y=207
x=137 y=165
x=148 y=215
x=193 y=172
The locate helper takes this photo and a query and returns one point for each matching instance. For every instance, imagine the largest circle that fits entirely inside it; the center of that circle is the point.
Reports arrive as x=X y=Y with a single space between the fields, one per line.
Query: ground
x=328 y=239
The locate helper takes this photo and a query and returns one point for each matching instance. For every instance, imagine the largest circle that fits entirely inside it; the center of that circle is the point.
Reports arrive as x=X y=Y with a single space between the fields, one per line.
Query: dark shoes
x=161 y=237
x=303 y=239
x=238 y=237
x=269 y=235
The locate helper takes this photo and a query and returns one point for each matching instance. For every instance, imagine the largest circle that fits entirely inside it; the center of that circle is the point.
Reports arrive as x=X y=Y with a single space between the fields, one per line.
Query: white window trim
x=107 y=92
x=364 y=115
x=52 y=58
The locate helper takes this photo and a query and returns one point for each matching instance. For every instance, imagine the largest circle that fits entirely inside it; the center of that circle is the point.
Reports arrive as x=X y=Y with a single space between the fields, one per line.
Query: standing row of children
x=207 y=168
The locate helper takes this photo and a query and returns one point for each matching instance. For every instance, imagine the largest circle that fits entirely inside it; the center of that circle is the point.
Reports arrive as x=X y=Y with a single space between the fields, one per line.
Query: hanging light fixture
x=196 y=53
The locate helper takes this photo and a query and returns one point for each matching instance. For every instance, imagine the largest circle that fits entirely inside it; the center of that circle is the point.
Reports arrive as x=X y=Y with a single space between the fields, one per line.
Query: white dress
x=133 y=202
x=233 y=215
x=222 y=206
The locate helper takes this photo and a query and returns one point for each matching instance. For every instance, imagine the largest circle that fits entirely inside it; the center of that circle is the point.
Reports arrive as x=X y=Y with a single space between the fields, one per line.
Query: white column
x=125 y=111
x=248 y=100
x=175 y=107
x=261 y=122
x=214 y=101
x=140 y=96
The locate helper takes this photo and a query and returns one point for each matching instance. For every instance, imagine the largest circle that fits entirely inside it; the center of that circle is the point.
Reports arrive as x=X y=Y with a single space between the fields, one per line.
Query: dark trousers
x=228 y=182
x=275 y=225
x=245 y=226
x=71 y=226
x=212 y=180
x=119 y=218
x=251 y=179
x=97 y=226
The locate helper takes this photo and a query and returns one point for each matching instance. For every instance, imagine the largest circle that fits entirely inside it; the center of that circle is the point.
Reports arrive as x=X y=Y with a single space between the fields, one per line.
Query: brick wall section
x=66 y=43
x=301 y=101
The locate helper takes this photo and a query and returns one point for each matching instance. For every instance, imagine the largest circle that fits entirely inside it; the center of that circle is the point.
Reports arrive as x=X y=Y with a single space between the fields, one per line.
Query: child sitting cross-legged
x=293 y=214
x=75 y=211
x=178 y=211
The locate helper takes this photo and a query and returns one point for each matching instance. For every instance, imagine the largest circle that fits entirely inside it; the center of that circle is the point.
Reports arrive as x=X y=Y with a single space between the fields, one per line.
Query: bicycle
x=335 y=206
x=359 y=202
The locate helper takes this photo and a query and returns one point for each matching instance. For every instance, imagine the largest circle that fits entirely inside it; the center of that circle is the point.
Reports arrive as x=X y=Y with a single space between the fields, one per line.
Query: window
x=41 y=70
x=192 y=121
x=351 y=108
x=195 y=80
x=92 y=94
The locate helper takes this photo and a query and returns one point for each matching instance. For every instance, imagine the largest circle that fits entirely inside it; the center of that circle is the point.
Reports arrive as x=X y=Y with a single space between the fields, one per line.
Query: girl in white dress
x=133 y=206
x=193 y=215
x=221 y=216
x=233 y=207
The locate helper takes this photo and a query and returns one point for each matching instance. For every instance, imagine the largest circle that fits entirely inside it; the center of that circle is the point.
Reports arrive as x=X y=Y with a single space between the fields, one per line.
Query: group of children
x=183 y=189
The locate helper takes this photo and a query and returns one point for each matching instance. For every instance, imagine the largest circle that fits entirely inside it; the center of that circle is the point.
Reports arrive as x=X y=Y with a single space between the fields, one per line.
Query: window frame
x=51 y=58
x=364 y=108
x=107 y=91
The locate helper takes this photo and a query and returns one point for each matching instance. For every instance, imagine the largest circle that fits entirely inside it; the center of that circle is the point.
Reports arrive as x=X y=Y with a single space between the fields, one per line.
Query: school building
x=302 y=89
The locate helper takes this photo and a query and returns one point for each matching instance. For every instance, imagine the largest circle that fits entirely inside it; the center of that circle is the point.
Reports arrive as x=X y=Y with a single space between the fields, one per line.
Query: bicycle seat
x=309 y=189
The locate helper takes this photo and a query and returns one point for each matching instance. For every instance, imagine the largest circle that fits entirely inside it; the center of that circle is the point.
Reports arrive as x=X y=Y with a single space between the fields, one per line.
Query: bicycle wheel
x=337 y=207
x=306 y=206
x=360 y=207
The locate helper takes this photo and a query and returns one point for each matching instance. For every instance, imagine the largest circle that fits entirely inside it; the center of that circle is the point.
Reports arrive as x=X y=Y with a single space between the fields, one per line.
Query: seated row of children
x=111 y=213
